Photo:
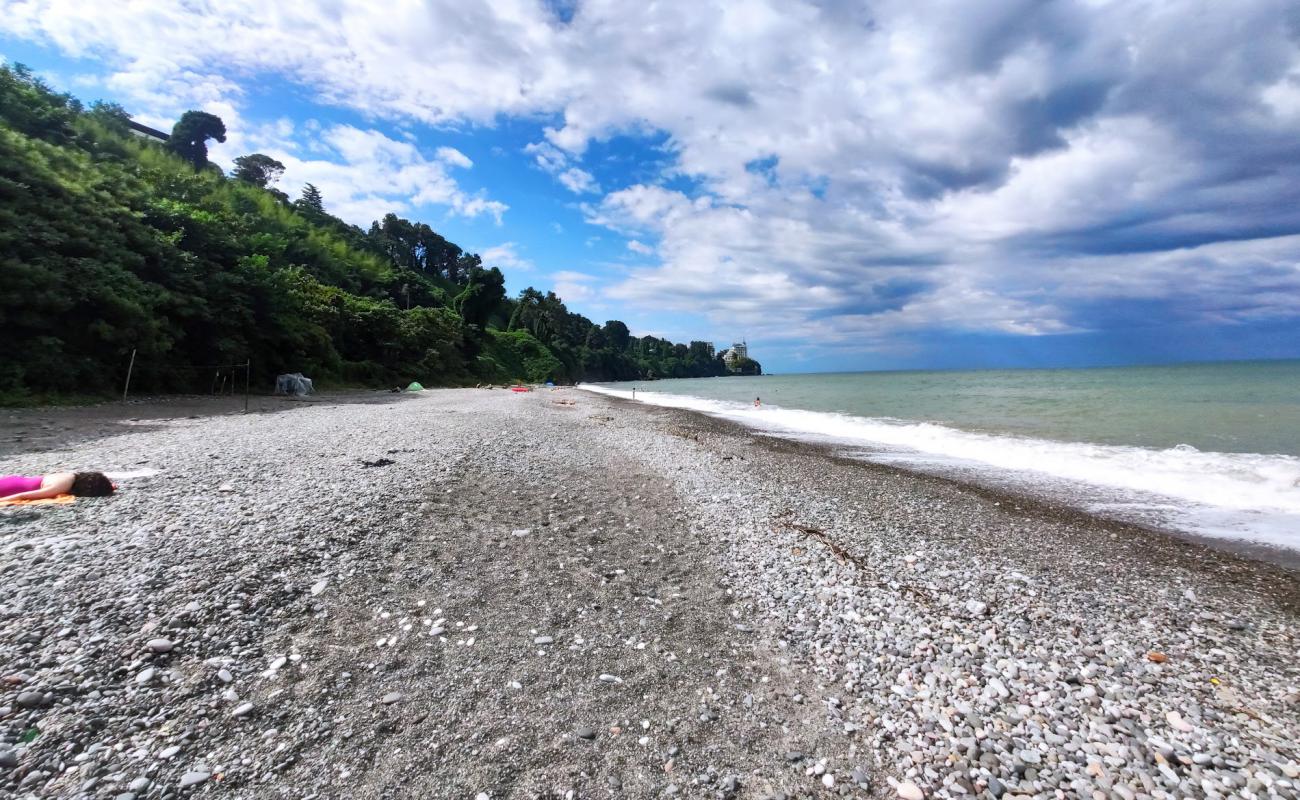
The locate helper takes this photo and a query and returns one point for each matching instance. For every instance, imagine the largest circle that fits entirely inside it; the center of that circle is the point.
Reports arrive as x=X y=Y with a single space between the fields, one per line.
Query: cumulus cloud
x=856 y=171
x=454 y=157
x=505 y=255
x=574 y=287
x=364 y=174
x=578 y=181
x=558 y=163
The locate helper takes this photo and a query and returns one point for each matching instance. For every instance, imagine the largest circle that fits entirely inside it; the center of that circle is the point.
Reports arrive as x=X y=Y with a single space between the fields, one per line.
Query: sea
x=1211 y=450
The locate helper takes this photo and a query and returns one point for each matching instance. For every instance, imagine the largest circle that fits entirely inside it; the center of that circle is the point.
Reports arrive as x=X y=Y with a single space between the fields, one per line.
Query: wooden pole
x=247 y=365
x=129 y=367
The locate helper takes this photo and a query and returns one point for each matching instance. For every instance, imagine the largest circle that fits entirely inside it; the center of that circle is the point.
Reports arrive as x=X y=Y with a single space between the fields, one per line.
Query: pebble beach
x=481 y=594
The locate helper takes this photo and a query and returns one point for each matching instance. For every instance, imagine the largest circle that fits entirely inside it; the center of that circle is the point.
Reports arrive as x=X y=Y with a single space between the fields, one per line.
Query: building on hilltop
x=145 y=132
x=737 y=351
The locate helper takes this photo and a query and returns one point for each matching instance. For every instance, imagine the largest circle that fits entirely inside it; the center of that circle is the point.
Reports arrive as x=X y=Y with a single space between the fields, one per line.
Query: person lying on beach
x=38 y=487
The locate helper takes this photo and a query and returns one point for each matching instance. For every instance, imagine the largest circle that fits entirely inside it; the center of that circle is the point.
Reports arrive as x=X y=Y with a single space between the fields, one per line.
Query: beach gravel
x=604 y=600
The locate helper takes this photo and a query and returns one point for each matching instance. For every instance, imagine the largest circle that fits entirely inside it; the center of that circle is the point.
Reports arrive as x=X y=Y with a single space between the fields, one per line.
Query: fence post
x=247 y=365
x=129 y=367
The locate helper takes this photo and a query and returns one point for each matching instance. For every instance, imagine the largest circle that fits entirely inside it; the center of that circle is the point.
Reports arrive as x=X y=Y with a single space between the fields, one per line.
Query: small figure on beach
x=633 y=392
x=39 y=487
x=758 y=403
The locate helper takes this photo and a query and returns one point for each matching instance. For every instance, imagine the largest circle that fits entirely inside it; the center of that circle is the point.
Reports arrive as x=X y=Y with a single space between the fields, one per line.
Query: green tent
x=415 y=387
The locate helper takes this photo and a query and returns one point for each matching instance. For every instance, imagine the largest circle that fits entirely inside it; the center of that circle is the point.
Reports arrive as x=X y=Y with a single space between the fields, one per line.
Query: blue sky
x=933 y=184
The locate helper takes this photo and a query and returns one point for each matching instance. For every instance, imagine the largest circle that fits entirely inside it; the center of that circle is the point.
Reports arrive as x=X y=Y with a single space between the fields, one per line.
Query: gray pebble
x=31 y=700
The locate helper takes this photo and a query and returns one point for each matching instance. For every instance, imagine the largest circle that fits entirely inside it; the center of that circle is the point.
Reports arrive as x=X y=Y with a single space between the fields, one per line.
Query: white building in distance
x=736 y=352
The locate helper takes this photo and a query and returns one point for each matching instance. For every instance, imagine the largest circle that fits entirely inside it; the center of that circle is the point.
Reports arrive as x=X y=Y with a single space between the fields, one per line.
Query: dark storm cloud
x=731 y=94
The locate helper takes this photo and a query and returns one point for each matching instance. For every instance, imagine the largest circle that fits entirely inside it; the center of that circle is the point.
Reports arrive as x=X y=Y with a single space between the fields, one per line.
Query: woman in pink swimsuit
x=38 y=487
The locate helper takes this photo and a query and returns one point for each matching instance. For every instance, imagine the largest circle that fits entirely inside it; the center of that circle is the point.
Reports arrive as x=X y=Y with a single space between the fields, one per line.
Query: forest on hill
x=111 y=243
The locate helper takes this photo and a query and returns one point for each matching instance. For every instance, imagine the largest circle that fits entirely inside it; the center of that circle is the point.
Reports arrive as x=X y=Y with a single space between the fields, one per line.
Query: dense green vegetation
x=110 y=243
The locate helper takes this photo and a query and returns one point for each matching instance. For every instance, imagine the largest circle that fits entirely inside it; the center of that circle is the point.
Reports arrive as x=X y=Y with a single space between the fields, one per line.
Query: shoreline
x=1102 y=588
x=1171 y=546
x=628 y=601
x=1260 y=552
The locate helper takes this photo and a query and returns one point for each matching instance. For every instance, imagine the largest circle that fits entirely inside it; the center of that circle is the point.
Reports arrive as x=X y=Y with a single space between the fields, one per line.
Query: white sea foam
x=1238 y=495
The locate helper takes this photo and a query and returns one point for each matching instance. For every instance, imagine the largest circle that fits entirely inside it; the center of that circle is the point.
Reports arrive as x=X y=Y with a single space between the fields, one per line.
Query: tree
x=596 y=339
x=191 y=133
x=483 y=292
x=617 y=334
x=258 y=169
x=32 y=108
x=463 y=266
x=530 y=314
x=111 y=116
x=311 y=202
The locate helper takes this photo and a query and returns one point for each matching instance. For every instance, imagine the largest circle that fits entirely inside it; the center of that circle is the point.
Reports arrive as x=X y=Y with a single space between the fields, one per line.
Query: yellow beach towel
x=57 y=500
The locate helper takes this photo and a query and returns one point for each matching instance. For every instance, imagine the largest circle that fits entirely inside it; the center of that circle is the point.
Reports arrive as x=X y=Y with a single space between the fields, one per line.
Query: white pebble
x=910 y=791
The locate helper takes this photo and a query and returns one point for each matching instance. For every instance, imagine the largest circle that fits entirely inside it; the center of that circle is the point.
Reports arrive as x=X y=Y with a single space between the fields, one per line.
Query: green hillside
x=111 y=243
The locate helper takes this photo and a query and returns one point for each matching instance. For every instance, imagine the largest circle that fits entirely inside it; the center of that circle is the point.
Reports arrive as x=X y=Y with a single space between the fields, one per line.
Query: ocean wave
x=1240 y=495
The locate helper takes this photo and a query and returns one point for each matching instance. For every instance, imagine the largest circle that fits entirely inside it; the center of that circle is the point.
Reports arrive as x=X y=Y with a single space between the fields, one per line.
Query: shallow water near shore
x=1207 y=449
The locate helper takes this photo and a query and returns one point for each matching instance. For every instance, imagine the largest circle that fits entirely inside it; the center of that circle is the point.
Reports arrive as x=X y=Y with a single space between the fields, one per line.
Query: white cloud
x=548 y=157
x=578 y=181
x=506 y=256
x=557 y=162
x=574 y=287
x=454 y=157
x=571 y=276
x=638 y=247
x=855 y=168
x=362 y=174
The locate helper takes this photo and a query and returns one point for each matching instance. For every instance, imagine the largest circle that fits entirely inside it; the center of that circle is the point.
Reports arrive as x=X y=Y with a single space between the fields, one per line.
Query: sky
x=846 y=185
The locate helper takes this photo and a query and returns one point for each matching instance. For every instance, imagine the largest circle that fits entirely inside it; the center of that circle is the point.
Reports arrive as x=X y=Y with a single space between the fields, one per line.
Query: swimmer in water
x=757 y=403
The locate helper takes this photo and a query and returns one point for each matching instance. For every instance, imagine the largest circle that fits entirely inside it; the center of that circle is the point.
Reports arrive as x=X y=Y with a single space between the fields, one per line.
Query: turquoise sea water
x=1209 y=448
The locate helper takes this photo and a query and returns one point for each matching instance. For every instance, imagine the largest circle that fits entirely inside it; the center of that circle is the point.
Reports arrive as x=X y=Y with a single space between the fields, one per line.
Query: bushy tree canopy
x=258 y=169
x=191 y=133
